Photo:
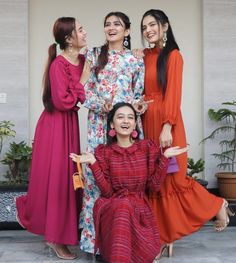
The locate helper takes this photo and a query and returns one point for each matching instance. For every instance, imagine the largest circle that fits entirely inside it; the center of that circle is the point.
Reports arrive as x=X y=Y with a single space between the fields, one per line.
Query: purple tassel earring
x=112 y=133
x=134 y=134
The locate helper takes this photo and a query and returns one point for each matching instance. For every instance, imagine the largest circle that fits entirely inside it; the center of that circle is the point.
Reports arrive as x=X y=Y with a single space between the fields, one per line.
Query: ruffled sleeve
x=100 y=170
x=66 y=92
x=157 y=164
x=172 y=100
x=92 y=102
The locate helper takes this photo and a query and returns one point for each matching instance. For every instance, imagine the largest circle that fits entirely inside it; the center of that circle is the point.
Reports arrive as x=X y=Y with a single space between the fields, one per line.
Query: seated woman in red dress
x=124 y=170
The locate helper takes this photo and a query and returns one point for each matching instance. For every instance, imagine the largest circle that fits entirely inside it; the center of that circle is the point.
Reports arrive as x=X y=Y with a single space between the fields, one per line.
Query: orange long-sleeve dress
x=183 y=205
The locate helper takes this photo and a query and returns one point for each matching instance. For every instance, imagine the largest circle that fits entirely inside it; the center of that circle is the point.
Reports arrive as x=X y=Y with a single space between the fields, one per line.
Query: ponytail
x=47 y=96
x=102 y=59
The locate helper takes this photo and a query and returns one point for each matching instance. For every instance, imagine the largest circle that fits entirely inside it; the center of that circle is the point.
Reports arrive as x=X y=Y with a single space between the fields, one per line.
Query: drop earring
x=134 y=134
x=164 y=39
x=126 y=43
x=112 y=133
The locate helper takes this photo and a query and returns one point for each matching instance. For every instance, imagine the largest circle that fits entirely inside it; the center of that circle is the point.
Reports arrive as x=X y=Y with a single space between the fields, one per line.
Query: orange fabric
x=183 y=205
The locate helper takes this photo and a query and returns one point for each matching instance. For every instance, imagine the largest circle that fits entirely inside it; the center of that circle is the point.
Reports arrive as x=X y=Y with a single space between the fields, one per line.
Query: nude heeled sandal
x=165 y=249
x=221 y=224
x=60 y=254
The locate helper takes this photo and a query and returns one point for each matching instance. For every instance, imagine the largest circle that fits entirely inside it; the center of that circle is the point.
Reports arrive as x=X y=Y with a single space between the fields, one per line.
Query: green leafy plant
x=18 y=160
x=6 y=131
x=195 y=167
x=226 y=117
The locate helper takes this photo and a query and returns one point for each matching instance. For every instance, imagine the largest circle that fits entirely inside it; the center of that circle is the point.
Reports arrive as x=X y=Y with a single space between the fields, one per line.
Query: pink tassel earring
x=112 y=133
x=134 y=134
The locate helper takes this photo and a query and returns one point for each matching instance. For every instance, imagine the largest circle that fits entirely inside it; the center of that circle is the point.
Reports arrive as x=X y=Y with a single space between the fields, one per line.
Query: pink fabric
x=51 y=205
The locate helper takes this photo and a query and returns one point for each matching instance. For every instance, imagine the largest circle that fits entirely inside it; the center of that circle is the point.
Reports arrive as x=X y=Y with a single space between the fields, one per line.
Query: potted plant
x=18 y=160
x=195 y=168
x=5 y=132
x=226 y=118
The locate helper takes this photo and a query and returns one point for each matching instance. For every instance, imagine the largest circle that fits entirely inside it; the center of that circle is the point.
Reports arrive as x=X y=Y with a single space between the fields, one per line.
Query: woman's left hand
x=173 y=151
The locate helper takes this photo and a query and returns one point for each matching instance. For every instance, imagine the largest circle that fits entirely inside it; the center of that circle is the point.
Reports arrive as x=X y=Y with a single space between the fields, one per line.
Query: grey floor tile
x=204 y=246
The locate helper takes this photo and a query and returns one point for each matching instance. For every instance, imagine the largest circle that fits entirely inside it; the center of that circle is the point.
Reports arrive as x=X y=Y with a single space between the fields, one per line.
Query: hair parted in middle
x=161 y=19
x=103 y=56
x=110 y=118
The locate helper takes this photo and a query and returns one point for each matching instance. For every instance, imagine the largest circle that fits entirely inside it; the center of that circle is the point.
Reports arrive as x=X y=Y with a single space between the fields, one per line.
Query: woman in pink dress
x=124 y=170
x=51 y=205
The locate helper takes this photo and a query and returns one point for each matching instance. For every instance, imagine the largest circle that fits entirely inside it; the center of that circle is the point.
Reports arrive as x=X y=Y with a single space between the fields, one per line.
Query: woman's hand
x=86 y=73
x=173 y=151
x=138 y=53
x=83 y=158
x=107 y=106
x=166 y=136
x=141 y=105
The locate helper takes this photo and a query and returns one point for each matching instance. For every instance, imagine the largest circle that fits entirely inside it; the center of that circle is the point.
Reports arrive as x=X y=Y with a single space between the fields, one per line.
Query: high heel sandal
x=60 y=254
x=221 y=224
x=165 y=249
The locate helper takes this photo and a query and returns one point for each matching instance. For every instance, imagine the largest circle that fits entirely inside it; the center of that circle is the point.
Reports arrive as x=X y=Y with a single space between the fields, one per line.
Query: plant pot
x=7 y=206
x=227 y=185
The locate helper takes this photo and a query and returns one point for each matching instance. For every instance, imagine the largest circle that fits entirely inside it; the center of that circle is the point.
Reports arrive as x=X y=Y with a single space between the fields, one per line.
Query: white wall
x=14 y=69
x=219 y=38
x=185 y=17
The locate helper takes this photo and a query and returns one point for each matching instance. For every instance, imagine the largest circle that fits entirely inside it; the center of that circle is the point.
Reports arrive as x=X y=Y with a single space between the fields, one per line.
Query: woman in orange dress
x=183 y=205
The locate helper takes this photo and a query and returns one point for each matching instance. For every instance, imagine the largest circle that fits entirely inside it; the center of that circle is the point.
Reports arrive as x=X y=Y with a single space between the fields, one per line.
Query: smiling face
x=115 y=30
x=78 y=36
x=153 y=31
x=124 y=122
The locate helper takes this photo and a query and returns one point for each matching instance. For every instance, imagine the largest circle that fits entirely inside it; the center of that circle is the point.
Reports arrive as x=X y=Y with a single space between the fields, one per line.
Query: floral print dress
x=121 y=80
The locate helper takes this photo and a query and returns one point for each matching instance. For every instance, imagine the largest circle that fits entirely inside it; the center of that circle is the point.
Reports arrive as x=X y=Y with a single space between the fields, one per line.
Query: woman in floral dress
x=116 y=76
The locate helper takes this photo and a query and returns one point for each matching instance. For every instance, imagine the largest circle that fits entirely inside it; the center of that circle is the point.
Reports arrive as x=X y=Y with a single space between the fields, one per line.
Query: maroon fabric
x=50 y=207
x=125 y=227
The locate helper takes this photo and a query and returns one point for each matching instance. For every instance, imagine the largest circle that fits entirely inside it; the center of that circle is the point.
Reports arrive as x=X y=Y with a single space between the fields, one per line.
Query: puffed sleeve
x=66 y=92
x=100 y=171
x=138 y=79
x=172 y=100
x=157 y=165
x=93 y=101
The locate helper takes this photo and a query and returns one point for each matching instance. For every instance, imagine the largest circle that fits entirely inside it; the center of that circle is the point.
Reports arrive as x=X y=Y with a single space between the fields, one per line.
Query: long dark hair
x=62 y=29
x=110 y=118
x=103 y=56
x=161 y=19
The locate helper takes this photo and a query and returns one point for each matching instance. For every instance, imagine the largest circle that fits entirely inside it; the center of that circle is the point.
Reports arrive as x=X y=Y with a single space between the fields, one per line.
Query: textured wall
x=14 y=66
x=219 y=45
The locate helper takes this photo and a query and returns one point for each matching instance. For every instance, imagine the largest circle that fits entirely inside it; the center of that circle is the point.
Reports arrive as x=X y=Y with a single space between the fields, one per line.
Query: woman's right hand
x=107 y=106
x=86 y=73
x=166 y=138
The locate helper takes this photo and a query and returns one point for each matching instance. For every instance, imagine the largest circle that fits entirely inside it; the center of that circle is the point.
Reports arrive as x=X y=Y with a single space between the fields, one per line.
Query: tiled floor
x=205 y=246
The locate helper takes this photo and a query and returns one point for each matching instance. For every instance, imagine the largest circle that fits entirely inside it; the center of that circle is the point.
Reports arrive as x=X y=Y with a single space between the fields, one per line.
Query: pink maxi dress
x=51 y=206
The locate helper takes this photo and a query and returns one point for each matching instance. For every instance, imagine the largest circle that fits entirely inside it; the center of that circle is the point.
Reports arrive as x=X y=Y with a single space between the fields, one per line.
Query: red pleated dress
x=182 y=206
x=51 y=206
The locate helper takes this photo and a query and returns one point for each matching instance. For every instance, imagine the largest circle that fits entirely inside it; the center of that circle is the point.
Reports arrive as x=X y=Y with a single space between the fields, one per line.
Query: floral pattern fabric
x=121 y=80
